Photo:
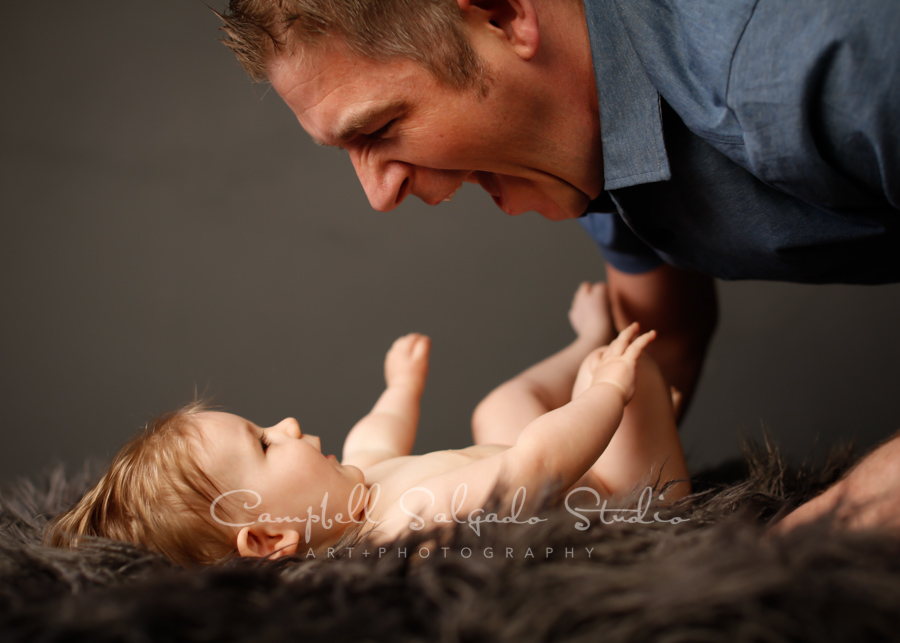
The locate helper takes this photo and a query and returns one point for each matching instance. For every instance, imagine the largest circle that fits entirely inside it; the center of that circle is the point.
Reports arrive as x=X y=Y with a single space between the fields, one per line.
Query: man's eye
x=264 y=441
x=384 y=130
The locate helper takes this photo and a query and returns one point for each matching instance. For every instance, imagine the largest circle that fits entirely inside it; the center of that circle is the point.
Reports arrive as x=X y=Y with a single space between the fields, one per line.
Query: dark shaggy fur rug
x=714 y=576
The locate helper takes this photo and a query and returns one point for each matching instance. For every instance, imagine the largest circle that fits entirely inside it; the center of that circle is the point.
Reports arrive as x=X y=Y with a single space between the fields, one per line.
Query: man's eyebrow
x=350 y=125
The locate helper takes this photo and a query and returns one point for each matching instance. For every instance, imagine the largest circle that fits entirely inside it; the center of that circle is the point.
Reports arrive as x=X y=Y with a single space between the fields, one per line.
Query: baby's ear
x=253 y=542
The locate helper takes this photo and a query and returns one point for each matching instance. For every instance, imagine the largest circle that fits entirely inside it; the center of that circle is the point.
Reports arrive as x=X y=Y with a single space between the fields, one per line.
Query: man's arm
x=683 y=309
x=389 y=430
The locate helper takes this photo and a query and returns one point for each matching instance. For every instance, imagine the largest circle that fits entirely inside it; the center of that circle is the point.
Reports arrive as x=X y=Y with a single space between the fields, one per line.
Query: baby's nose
x=290 y=427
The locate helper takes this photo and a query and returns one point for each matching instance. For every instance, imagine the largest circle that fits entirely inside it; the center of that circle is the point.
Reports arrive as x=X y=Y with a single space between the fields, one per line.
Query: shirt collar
x=630 y=119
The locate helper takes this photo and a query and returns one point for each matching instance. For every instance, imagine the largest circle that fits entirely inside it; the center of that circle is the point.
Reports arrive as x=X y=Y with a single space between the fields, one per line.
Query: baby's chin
x=354 y=473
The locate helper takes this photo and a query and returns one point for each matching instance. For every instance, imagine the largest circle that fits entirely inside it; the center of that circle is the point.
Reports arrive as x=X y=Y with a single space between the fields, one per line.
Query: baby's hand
x=616 y=364
x=406 y=363
x=590 y=315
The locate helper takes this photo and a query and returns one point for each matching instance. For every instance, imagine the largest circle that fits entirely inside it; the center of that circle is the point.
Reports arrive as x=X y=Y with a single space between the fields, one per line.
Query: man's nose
x=386 y=182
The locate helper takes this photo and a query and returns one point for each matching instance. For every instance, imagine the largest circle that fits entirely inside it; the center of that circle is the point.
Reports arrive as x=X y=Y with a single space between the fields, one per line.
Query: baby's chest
x=392 y=478
x=389 y=481
x=416 y=491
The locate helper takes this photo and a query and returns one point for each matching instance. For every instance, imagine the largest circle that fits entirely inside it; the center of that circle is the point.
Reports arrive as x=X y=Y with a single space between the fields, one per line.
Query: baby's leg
x=508 y=409
x=389 y=429
x=646 y=445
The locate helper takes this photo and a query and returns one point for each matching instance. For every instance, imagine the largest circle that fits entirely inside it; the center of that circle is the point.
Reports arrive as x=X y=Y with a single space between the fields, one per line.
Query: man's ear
x=253 y=542
x=515 y=20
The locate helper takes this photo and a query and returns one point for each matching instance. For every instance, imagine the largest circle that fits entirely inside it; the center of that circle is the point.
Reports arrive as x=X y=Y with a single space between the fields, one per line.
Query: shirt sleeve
x=621 y=248
x=816 y=88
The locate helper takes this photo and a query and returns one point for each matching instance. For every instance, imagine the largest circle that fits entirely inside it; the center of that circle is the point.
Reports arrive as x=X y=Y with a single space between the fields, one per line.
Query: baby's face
x=280 y=463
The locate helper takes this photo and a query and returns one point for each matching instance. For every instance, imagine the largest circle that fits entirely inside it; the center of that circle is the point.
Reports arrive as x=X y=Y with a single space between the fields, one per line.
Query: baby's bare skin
x=565 y=421
x=388 y=481
x=509 y=412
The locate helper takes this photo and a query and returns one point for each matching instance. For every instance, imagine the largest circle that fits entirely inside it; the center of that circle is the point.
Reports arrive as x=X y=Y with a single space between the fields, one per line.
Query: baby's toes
x=402 y=345
x=598 y=289
x=599 y=295
x=408 y=357
x=405 y=346
x=419 y=346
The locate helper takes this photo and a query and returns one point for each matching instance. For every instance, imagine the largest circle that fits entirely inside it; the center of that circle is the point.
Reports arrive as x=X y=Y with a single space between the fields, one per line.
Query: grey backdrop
x=167 y=225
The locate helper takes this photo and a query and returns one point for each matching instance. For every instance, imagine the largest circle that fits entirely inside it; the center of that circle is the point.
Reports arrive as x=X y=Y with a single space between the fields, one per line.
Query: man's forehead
x=311 y=63
x=335 y=94
x=289 y=74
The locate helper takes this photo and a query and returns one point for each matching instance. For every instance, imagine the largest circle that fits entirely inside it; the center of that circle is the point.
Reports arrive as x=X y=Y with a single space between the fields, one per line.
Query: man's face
x=407 y=133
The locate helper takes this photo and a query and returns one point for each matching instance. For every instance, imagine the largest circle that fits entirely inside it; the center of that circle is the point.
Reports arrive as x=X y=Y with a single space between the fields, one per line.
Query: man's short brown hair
x=430 y=32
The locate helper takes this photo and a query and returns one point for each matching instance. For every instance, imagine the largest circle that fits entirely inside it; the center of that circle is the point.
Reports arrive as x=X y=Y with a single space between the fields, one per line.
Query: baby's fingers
x=638 y=345
x=619 y=345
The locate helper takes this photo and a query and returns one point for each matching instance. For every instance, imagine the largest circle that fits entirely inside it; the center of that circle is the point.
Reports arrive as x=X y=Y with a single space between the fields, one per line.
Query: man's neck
x=569 y=71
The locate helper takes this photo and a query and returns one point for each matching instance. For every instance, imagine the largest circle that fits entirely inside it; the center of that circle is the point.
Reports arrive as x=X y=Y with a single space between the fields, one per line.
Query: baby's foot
x=590 y=314
x=406 y=363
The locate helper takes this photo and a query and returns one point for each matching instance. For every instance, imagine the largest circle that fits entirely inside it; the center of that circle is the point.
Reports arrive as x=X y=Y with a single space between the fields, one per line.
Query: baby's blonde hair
x=155 y=495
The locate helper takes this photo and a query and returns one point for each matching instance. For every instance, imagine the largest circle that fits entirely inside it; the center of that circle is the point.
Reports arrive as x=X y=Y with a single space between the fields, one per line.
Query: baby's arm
x=389 y=430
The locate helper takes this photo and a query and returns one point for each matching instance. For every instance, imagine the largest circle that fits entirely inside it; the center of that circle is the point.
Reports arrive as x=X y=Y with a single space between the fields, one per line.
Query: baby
x=199 y=485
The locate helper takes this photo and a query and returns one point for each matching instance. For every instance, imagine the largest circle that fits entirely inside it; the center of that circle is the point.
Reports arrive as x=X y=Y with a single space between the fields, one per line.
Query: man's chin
x=550 y=212
x=557 y=212
x=513 y=200
x=559 y=215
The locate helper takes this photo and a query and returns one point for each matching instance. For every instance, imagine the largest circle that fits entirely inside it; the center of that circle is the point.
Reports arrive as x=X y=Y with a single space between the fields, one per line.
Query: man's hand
x=867 y=498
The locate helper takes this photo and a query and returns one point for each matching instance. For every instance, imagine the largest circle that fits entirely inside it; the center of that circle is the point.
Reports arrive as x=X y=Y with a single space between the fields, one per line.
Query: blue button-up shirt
x=749 y=139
